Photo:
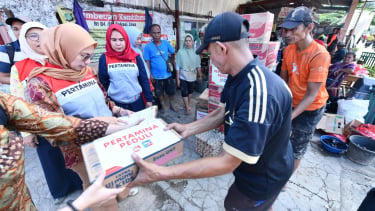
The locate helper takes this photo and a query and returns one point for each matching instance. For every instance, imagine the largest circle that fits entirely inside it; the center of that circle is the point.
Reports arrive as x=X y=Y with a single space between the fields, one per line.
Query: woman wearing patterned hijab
x=122 y=72
x=66 y=84
x=188 y=64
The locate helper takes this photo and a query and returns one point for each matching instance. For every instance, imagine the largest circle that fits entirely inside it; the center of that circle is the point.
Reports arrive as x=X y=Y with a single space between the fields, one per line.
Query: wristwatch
x=70 y=204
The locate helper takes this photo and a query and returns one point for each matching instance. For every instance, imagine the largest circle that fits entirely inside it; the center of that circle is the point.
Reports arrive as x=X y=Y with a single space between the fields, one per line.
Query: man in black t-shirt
x=256 y=108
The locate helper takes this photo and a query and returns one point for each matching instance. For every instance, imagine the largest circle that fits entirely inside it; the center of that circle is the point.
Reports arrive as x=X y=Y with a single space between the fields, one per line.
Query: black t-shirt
x=258 y=108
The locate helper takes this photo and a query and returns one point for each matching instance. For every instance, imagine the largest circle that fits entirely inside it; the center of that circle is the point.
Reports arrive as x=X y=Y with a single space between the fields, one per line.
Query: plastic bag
x=352 y=109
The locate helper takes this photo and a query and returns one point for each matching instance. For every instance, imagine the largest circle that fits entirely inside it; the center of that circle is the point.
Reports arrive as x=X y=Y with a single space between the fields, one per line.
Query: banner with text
x=99 y=21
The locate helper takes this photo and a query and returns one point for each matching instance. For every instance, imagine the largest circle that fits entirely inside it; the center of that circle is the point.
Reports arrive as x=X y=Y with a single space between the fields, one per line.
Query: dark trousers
x=60 y=180
x=368 y=203
x=135 y=106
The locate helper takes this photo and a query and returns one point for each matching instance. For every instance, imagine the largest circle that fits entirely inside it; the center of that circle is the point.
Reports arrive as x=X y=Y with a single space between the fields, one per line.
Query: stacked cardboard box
x=216 y=85
x=209 y=144
x=266 y=52
x=260 y=32
x=201 y=108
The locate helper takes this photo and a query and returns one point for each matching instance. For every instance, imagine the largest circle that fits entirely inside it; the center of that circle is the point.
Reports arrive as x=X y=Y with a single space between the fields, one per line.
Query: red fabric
x=334 y=37
x=359 y=69
x=367 y=129
x=128 y=54
x=113 y=60
x=25 y=66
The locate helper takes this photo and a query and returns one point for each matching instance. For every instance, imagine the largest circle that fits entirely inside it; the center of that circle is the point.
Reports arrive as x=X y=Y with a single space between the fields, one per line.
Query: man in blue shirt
x=10 y=53
x=256 y=108
x=156 y=54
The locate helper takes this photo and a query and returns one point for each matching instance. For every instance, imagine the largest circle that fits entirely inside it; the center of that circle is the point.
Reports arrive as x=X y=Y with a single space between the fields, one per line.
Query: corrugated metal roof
x=199 y=7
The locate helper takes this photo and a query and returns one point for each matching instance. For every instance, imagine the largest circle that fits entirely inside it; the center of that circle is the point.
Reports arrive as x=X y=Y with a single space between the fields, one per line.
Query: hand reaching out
x=179 y=128
x=148 y=172
x=96 y=195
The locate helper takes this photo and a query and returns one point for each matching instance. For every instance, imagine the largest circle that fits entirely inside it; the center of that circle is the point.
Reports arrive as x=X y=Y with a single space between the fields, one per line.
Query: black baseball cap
x=296 y=17
x=224 y=27
x=21 y=18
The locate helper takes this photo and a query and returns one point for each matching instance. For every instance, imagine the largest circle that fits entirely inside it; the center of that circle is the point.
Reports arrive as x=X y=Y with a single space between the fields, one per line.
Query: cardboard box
x=214 y=94
x=260 y=26
x=203 y=99
x=332 y=123
x=200 y=111
x=112 y=153
x=266 y=52
x=212 y=107
x=216 y=77
x=350 y=128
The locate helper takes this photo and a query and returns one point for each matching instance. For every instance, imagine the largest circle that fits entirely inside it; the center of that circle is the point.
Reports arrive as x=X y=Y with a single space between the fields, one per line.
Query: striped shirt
x=258 y=107
x=4 y=57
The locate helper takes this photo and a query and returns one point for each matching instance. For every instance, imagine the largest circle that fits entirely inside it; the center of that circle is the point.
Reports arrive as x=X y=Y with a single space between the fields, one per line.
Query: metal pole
x=177 y=19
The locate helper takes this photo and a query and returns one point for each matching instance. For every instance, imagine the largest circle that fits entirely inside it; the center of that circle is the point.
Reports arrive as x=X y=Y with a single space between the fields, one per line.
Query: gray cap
x=296 y=17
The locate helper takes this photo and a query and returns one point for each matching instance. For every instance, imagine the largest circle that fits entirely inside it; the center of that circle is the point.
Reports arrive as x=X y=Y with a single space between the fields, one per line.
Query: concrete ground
x=324 y=181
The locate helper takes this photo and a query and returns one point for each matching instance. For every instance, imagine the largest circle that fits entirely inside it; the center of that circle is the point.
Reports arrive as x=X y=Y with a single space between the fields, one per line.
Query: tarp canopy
x=198 y=7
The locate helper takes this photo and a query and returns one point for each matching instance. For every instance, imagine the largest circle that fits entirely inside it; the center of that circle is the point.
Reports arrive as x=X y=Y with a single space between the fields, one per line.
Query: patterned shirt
x=16 y=114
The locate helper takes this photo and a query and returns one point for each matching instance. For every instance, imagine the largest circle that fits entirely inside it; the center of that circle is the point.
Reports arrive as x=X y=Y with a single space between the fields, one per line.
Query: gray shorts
x=303 y=128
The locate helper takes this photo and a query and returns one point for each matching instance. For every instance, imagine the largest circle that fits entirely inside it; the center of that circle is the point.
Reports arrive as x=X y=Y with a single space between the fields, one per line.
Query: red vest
x=25 y=66
x=83 y=99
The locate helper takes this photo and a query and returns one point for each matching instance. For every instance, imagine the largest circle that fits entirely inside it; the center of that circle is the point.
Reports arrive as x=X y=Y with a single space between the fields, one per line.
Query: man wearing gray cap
x=256 y=111
x=10 y=53
x=305 y=69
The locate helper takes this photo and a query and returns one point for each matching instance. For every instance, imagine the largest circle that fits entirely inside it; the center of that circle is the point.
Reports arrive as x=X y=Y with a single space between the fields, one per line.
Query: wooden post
x=348 y=20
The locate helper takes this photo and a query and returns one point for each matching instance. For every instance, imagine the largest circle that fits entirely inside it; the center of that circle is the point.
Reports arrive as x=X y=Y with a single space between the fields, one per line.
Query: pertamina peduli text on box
x=112 y=153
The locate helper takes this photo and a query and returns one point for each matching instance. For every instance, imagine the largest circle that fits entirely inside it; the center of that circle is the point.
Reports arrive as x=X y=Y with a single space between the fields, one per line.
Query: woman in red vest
x=60 y=180
x=122 y=73
x=66 y=84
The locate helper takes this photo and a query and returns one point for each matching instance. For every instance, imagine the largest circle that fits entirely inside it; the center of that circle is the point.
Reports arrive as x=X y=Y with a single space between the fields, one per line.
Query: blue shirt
x=5 y=65
x=258 y=110
x=157 y=63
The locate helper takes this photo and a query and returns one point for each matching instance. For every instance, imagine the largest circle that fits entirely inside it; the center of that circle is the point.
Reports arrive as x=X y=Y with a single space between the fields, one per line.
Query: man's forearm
x=202 y=168
x=284 y=76
x=211 y=121
x=305 y=102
